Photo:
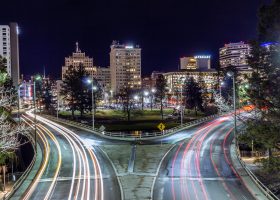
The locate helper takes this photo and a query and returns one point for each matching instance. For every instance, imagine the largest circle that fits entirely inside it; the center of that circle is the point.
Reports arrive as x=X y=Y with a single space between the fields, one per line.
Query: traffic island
x=138 y=183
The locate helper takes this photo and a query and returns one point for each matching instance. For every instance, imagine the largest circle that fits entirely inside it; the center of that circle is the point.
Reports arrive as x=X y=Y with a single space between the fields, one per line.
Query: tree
x=76 y=91
x=9 y=130
x=193 y=96
x=125 y=96
x=160 y=91
x=222 y=105
x=264 y=90
x=47 y=96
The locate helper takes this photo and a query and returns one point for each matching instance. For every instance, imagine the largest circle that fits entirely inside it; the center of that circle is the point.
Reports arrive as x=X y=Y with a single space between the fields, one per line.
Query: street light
x=93 y=90
x=181 y=107
x=18 y=91
x=36 y=78
x=221 y=84
x=153 y=91
x=231 y=74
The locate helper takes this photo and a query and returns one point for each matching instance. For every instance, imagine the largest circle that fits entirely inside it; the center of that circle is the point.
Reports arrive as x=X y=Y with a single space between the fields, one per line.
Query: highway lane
x=201 y=167
x=70 y=168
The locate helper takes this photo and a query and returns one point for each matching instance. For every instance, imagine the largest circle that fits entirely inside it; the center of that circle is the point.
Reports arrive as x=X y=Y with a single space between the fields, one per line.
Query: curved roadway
x=201 y=168
x=70 y=169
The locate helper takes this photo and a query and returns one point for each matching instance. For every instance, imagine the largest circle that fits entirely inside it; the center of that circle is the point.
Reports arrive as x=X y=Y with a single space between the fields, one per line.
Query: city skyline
x=146 y=24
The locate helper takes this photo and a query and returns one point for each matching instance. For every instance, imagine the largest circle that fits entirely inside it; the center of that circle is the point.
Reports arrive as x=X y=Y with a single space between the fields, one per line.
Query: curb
x=257 y=192
x=160 y=163
x=112 y=164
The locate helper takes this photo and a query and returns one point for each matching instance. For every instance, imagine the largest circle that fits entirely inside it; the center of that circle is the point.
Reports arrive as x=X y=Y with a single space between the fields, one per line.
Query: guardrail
x=25 y=173
x=136 y=136
x=267 y=192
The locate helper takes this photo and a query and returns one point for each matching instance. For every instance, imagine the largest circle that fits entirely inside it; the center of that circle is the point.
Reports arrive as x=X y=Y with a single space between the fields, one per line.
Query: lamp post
x=93 y=90
x=221 y=84
x=111 y=97
x=57 y=105
x=18 y=114
x=231 y=74
x=152 y=95
x=37 y=78
x=146 y=93
x=181 y=105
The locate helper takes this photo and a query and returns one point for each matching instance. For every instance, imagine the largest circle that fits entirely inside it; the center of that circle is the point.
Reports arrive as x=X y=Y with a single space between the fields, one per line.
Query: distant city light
x=146 y=93
x=129 y=47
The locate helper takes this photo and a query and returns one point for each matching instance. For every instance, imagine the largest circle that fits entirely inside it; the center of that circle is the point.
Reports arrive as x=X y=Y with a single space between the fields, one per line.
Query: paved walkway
x=23 y=187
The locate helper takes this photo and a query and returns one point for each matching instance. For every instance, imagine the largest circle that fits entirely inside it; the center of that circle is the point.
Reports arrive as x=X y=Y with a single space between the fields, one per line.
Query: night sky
x=165 y=30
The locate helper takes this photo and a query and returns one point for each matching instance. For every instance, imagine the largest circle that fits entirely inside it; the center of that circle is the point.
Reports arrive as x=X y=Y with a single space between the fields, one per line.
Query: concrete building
x=175 y=82
x=235 y=54
x=150 y=82
x=103 y=76
x=201 y=62
x=9 y=49
x=125 y=66
x=78 y=58
x=188 y=63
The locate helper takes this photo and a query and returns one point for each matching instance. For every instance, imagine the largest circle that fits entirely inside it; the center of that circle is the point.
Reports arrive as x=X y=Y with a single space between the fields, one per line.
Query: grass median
x=141 y=120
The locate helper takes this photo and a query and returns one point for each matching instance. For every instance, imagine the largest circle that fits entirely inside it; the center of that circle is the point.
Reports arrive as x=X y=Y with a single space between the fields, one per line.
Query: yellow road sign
x=161 y=126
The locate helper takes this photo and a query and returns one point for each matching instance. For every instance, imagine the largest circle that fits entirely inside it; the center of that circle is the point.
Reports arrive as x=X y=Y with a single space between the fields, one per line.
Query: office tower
x=235 y=54
x=9 y=49
x=125 y=66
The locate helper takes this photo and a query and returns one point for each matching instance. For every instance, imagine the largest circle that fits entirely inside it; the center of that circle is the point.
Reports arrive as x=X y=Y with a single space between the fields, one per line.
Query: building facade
x=175 y=81
x=235 y=54
x=125 y=66
x=9 y=49
x=78 y=58
x=201 y=62
x=103 y=76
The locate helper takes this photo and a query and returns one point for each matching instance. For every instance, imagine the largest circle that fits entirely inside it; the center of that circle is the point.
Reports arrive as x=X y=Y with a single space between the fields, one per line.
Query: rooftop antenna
x=77 y=47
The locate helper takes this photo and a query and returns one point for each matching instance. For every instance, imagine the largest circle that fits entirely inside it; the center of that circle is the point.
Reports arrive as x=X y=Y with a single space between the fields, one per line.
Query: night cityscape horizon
x=140 y=100
x=163 y=42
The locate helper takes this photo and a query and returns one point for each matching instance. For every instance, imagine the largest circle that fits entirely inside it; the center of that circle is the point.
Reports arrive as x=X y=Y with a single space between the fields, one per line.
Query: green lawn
x=115 y=120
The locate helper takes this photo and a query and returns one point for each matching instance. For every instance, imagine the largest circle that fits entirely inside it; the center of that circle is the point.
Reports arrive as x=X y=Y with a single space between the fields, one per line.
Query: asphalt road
x=200 y=167
x=70 y=169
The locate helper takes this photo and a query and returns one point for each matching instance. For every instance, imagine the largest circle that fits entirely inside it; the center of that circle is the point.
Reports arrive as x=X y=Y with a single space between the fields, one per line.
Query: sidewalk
x=246 y=179
x=30 y=177
x=9 y=186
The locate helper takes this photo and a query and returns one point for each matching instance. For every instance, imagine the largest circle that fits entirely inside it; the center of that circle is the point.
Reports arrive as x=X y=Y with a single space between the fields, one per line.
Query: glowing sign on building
x=202 y=56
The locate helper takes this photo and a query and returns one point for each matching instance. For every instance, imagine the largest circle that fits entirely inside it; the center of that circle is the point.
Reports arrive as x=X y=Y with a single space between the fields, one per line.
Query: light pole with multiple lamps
x=232 y=74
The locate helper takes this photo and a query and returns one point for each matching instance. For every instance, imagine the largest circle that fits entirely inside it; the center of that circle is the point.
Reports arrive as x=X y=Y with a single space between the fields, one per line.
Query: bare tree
x=222 y=105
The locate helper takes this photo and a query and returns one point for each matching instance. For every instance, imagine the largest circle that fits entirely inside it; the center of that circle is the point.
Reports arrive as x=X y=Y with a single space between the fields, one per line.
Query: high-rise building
x=201 y=62
x=125 y=66
x=103 y=77
x=78 y=58
x=235 y=54
x=9 y=49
